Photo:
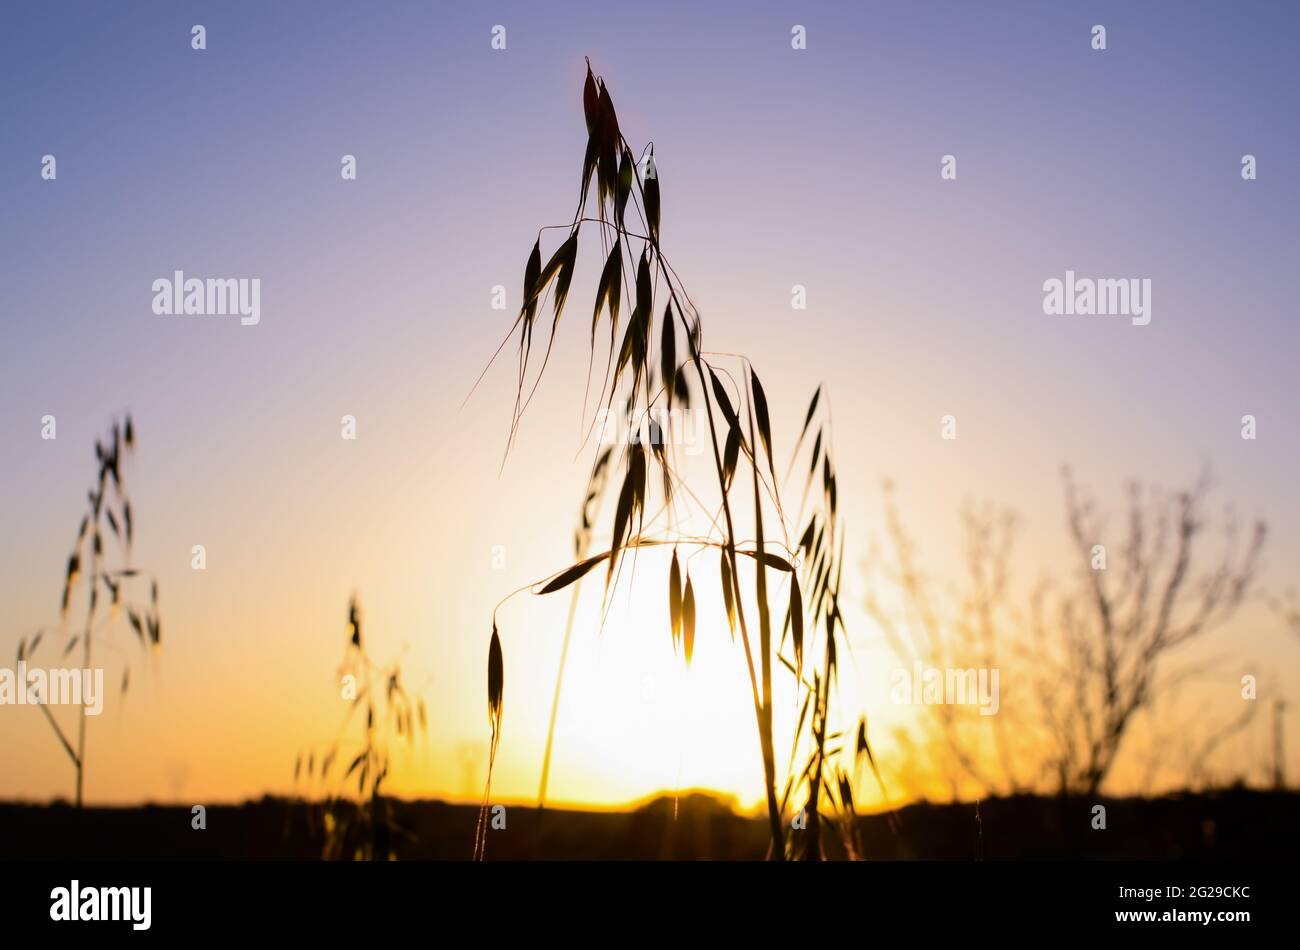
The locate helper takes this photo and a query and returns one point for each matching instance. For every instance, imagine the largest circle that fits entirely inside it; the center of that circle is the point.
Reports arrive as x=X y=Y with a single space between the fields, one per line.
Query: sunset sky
x=817 y=167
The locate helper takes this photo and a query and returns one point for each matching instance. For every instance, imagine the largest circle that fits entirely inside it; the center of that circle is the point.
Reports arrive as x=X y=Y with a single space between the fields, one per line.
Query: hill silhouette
x=1225 y=825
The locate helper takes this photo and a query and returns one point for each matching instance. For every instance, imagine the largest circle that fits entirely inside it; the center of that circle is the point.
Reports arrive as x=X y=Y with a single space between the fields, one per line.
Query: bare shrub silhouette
x=109 y=571
x=1091 y=652
x=646 y=377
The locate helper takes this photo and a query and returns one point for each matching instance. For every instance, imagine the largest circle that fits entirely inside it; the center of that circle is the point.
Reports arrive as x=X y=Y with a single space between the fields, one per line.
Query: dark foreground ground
x=1235 y=824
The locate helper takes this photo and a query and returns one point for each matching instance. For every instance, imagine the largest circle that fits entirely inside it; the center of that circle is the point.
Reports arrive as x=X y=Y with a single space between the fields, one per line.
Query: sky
x=779 y=167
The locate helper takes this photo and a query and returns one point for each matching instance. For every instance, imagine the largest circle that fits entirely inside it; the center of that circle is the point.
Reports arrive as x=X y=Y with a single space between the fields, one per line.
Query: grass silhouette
x=645 y=375
x=108 y=514
x=363 y=828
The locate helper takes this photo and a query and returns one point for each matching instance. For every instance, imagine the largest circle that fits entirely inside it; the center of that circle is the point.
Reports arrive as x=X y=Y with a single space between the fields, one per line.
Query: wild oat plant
x=111 y=577
x=362 y=828
x=781 y=597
